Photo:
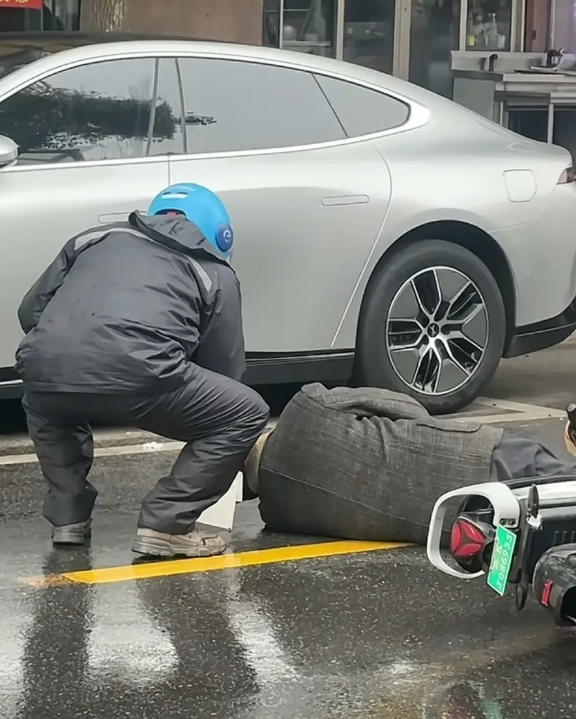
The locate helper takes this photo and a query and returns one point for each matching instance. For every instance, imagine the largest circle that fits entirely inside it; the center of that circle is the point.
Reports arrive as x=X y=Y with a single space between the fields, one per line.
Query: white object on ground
x=221 y=514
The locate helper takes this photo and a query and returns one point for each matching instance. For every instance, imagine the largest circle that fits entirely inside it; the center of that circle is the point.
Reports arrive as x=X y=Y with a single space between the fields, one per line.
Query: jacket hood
x=175 y=232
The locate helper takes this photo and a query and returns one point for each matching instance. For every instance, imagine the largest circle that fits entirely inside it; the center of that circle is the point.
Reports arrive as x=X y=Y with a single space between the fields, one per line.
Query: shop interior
x=48 y=15
x=367 y=31
x=514 y=61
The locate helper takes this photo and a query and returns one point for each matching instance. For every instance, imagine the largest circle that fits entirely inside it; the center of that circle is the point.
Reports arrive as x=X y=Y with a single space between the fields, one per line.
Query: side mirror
x=8 y=151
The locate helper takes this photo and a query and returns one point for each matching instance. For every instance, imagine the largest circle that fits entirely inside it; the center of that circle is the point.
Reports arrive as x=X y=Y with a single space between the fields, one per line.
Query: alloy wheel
x=437 y=330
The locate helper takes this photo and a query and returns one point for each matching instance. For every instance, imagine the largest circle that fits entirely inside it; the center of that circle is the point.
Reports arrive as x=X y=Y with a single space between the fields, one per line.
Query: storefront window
x=434 y=32
x=18 y=19
x=60 y=15
x=537 y=25
x=63 y=14
x=563 y=23
x=369 y=33
x=310 y=26
x=489 y=25
x=271 y=23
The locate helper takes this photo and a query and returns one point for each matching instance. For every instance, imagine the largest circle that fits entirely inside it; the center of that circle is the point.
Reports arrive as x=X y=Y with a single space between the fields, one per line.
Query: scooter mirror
x=506 y=512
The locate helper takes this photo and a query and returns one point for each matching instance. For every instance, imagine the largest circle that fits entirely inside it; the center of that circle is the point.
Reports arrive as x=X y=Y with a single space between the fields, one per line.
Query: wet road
x=369 y=634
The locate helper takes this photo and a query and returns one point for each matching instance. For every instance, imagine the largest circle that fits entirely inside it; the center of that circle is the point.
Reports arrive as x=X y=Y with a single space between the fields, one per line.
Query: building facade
x=411 y=39
x=233 y=20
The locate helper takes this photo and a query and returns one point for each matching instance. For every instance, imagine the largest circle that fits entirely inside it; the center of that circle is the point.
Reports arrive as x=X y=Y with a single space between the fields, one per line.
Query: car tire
x=450 y=348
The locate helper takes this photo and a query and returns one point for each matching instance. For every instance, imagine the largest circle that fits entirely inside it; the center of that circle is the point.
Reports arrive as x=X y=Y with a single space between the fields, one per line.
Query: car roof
x=77 y=39
x=63 y=48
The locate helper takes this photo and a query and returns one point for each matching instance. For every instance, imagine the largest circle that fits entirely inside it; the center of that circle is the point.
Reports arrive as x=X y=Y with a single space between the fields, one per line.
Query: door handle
x=345 y=200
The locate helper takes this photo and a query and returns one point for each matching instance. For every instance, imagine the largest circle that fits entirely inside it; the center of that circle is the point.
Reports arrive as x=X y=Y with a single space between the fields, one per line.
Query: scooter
x=519 y=534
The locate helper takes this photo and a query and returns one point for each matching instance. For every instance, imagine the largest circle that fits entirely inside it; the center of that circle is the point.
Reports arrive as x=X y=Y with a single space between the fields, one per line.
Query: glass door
x=489 y=25
x=364 y=32
x=563 y=25
x=411 y=39
x=309 y=26
x=271 y=23
x=369 y=31
x=537 y=30
x=434 y=33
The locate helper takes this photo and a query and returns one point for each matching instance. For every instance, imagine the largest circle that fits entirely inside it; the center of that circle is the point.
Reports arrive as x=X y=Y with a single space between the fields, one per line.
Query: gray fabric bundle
x=365 y=464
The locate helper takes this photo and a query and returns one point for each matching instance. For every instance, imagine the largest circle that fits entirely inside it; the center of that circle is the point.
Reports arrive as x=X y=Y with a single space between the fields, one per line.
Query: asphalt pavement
x=282 y=627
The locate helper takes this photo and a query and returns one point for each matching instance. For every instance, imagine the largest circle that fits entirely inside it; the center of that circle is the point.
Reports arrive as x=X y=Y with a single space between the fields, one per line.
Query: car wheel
x=432 y=326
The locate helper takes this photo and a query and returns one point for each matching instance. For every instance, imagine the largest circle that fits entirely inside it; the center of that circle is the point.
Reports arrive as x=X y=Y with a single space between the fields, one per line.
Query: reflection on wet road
x=373 y=634
x=370 y=635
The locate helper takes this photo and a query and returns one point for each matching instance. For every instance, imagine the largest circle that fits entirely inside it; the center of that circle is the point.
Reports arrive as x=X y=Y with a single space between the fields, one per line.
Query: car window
x=360 y=110
x=99 y=111
x=239 y=106
x=167 y=130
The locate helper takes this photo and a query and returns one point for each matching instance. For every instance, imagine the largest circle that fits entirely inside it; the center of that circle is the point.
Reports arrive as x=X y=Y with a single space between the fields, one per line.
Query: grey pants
x=218 y=418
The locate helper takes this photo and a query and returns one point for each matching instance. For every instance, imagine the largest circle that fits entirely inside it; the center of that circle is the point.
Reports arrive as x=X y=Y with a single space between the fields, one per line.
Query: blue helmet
x=202 y=207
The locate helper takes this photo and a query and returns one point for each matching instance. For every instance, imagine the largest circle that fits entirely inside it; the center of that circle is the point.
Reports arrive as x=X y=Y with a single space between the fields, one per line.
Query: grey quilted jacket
x=366 y=464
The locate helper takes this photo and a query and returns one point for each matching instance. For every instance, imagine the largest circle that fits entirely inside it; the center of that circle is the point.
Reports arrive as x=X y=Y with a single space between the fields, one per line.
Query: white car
x=382 y=231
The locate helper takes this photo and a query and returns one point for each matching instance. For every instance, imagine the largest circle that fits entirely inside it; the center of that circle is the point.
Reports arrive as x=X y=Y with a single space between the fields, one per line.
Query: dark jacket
x=127 y=307
x=366 y=464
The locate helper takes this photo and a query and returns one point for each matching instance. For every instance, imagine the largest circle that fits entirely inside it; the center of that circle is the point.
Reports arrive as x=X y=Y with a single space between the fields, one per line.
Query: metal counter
x=547 y=101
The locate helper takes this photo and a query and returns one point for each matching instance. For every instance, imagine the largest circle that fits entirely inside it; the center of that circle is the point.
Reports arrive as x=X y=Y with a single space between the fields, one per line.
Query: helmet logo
x=224 y=237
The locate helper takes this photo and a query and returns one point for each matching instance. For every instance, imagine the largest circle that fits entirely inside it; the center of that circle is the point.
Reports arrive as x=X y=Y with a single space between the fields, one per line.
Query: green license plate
x=502 y=556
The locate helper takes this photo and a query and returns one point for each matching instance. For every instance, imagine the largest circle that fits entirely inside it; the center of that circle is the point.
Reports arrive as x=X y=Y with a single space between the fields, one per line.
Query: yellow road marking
x=149 y=570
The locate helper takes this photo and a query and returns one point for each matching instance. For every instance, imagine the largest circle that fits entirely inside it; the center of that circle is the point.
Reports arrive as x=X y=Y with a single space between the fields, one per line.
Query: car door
x=306 y=203
x=87 y=157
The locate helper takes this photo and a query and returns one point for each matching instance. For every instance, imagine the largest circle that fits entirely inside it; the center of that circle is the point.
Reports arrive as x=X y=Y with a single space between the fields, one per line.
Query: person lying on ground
x=369 y=464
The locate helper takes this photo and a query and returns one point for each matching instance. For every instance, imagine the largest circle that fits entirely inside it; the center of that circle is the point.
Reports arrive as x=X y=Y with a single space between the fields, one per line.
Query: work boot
x=194 y=544
x=72 y=534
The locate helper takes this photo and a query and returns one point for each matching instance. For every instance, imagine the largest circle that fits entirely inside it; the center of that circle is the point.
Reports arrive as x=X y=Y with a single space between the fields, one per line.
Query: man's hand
x=569 y=439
